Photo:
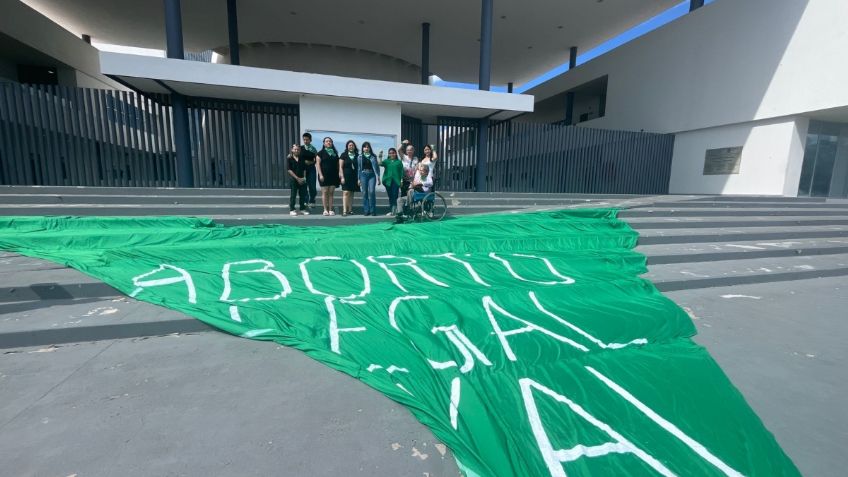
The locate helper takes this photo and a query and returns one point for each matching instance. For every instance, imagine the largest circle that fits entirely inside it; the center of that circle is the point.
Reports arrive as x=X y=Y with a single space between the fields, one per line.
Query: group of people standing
x=356 y=170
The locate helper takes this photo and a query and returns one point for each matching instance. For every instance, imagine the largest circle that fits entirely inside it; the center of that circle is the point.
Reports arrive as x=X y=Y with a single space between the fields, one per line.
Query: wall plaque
x=725 y=160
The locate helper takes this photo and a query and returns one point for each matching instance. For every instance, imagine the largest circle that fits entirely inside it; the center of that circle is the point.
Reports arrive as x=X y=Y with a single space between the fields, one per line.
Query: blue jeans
x=310 y=185
x=393 y=190
x=368 y=184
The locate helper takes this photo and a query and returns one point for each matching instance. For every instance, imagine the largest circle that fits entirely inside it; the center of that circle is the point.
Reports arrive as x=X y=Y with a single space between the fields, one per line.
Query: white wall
x=729 y=62
x=797 y=141
x=349 y=115
x=772 y=156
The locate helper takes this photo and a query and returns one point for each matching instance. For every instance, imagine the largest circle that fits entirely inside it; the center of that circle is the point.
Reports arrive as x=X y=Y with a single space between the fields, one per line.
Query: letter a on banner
x=699 y=448
x=490 y=306
x=184 y=277
x=554 y=458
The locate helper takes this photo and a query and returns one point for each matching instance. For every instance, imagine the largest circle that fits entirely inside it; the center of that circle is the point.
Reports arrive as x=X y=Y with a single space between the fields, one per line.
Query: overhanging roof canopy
x=193 y=78
x=530 y=37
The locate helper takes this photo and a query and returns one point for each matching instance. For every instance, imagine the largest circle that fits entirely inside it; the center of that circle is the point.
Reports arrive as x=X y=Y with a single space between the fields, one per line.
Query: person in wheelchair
x=422 y=183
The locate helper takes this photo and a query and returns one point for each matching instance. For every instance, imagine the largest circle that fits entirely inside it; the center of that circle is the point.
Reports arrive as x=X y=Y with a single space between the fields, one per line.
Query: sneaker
x=304 y=212
x=293 y=213
x=326 y=213
x=391 y=213
x=331 y=213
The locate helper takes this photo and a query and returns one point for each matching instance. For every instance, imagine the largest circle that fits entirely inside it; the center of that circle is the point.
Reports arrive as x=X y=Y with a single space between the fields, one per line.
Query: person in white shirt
x=410 y=165
x=422 y=184
x=430 y=158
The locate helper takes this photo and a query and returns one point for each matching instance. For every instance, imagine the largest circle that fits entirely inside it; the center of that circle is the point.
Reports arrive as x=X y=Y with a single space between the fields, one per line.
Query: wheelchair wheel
x=433 y=207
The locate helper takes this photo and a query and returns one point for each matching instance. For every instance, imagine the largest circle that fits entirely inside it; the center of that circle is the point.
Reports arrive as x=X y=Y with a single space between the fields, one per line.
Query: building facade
x=749 y=90
x=757 y=77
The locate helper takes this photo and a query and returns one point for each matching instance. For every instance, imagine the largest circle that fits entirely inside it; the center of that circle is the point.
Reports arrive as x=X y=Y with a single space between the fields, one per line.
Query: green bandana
x=310 y=148
x=330 y=151
x=351 y=155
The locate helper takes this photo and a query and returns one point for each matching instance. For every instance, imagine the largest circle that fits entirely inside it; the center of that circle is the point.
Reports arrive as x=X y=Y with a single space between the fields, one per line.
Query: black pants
x=310 y=184
x=297 y=188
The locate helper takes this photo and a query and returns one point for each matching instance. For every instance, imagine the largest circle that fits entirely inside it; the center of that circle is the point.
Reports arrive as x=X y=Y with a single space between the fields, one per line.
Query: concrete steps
x=224 y=192
x=675 y=231
x=708 y=242
x=136 y=199
x=782 y=211
x=252 y=206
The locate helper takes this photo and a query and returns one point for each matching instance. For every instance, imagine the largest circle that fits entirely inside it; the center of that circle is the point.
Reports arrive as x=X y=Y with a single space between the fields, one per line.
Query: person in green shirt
x=392 y=177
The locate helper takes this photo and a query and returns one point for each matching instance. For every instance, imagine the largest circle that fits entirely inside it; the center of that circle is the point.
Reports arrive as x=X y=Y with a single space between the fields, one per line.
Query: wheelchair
x=425 y=206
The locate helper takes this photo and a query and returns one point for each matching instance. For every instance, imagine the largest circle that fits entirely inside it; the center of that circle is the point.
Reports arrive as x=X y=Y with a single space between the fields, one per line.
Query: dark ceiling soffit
x=162 y=84
x=499 y=121
x=125 y=84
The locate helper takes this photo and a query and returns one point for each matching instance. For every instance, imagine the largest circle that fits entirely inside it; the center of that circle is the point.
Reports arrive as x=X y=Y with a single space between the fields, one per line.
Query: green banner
x=527 y=342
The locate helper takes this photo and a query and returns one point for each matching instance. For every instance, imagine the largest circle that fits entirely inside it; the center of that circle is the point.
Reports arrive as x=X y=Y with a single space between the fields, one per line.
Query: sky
x=667 y=16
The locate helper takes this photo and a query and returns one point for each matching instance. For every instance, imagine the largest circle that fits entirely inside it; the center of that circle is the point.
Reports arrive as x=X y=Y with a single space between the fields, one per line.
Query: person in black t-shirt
x=308 y=153
x=348 y=176
x=327 y=167
x=297 y=183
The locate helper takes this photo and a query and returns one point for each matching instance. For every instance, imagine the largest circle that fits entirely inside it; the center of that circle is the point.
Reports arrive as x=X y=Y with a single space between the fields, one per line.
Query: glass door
x=824 y=172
